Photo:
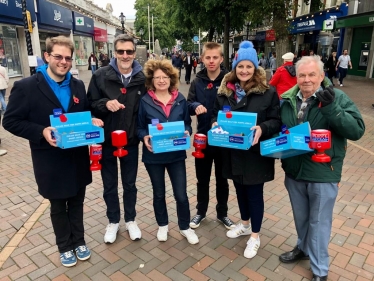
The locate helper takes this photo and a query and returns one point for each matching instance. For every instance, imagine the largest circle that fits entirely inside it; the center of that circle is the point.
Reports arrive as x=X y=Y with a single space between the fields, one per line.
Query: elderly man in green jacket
x=312 y=186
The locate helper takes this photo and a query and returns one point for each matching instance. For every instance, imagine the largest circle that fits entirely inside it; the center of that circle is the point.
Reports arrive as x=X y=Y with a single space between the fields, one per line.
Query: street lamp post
x=248 y=24
x=149 y=33
x=215 y=36
x=122 y=18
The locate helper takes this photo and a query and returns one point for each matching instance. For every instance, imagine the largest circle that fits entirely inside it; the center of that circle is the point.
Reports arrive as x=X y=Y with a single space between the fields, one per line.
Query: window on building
x=9 y=50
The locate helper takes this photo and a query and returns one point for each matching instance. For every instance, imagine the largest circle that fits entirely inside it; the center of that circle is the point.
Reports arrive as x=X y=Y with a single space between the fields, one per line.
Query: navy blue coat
x=148 y=110
x=59 y=173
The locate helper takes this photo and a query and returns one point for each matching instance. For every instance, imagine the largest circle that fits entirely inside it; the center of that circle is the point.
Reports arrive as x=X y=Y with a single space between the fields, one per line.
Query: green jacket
x=341 y=117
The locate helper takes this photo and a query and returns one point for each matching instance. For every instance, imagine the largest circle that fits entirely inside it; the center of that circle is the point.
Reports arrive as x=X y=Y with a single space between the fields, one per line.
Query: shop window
x=9 y=50
x=83 y=49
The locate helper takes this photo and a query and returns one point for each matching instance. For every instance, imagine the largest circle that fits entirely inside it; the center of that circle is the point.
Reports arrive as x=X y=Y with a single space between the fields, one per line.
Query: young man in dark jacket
x=114 y=93
x=312 y=186
x=61 y=174
x=201 y=97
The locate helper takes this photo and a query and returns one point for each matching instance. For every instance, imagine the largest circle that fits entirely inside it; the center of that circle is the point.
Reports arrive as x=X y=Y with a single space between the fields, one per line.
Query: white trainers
x=134 y=231
x=239 y=230
x=190 y=235
x=111 y=232
x=162 y=233
x=341 y=85
x=3 y=152
x=252 y=247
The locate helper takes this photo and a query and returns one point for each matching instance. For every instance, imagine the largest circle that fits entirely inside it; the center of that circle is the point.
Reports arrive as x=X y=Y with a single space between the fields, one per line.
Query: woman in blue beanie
x=245 y=89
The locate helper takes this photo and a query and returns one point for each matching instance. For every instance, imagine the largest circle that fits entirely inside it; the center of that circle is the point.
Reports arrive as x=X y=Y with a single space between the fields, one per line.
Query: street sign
x=79 y=20
x=29 y=23
x=196 y=38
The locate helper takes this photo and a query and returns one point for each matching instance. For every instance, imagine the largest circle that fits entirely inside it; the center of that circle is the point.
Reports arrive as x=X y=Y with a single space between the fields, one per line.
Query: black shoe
x=295 y=255
x=229 y=224
x=319 y=278
x=372 y=104
x=196 y=220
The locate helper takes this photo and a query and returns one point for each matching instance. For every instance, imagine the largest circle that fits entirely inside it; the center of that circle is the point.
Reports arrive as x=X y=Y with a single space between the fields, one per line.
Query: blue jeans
x=2 y=99
x=342 y=74
x=178 y=178
x=251 y=203
x=312 y=206
x=109 y=174
x=93 y=68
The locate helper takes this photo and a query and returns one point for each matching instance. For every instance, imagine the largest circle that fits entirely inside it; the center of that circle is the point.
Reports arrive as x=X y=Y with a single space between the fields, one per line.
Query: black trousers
x=203 y=167
x=67 y=221
x=188 y=73
x=109 y=174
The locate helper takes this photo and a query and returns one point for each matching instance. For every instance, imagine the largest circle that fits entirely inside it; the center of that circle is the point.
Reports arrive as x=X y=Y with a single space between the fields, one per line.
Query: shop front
x=83 y=32
x=269 y=42
x=12 y=56
x=313 y=35
x=111 y=30
x=101 y=39
x=259 y=42
x=360 y=38
x=53 y=20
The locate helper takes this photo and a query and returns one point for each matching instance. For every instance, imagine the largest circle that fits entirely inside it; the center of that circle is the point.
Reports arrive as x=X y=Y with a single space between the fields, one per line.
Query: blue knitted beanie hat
x=245 y=52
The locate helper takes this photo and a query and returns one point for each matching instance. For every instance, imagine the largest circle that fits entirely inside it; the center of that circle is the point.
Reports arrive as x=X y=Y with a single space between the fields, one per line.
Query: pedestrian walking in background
x=61 y=174
x=312 y=186
x=245 y=89
x=164 y=103
x=201 y=97
x=188 y=63
x=92 y=63
x=273 y=64
x=285 y=77
x=177 y=63
x=194 y=64
x=105 y=61
x=4 y=84
x=114 y=94
x=262 y=61
x=343 y=62
x=295 y=58
x=331 y=67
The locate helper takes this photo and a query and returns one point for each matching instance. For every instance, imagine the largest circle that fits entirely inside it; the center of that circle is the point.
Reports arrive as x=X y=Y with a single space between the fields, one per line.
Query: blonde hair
x=165 y=66
x=212 y=46
x=59 y=40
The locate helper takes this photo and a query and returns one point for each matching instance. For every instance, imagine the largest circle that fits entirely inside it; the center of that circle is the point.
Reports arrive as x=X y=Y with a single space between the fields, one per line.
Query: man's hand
x=114 y=105
x=47 y=134
x=200 y=110
x=326 y=96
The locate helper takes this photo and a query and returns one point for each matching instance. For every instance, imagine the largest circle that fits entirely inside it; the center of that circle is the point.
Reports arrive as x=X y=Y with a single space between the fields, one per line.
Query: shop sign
x=351 y=21
x=261 y=36
x=328 y=25
x=13 y=8
x=101 y=35
x=83 y=24
x=54 y=15
x=270 y=35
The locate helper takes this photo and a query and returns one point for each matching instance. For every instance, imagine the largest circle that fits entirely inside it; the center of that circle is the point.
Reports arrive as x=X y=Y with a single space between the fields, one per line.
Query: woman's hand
x=97 y=122
x=258 y=134
x=214 y=124
x=186 y=133
x=147 y=144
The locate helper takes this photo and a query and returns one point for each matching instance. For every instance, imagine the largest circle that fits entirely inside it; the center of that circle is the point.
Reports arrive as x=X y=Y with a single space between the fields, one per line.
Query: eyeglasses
x=128 y=52
x=158 y=78
x=301 y=112
x=60 y=58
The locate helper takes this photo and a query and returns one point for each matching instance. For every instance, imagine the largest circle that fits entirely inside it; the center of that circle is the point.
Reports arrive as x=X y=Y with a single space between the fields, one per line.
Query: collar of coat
x=258 y=89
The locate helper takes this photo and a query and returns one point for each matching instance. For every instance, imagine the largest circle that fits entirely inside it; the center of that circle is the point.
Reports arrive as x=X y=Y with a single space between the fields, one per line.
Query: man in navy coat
x=61 y=174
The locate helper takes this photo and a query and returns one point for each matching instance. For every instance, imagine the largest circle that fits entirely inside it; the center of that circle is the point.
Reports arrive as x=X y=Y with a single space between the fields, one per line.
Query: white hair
x=309 y=59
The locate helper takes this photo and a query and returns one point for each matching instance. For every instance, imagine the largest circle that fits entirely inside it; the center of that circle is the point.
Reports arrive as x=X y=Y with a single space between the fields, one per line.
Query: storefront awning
x=355 y=20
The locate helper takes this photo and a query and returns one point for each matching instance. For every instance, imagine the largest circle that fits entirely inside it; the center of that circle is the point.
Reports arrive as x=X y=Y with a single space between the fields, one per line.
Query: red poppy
x=123 y=90
x=75 y=99
x=209 y=86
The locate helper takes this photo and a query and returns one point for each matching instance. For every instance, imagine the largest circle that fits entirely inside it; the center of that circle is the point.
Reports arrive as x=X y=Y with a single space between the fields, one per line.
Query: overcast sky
x=125 y=6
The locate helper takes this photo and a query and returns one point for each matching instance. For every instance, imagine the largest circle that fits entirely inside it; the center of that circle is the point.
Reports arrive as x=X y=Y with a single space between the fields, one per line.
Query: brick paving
x=216 y=257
